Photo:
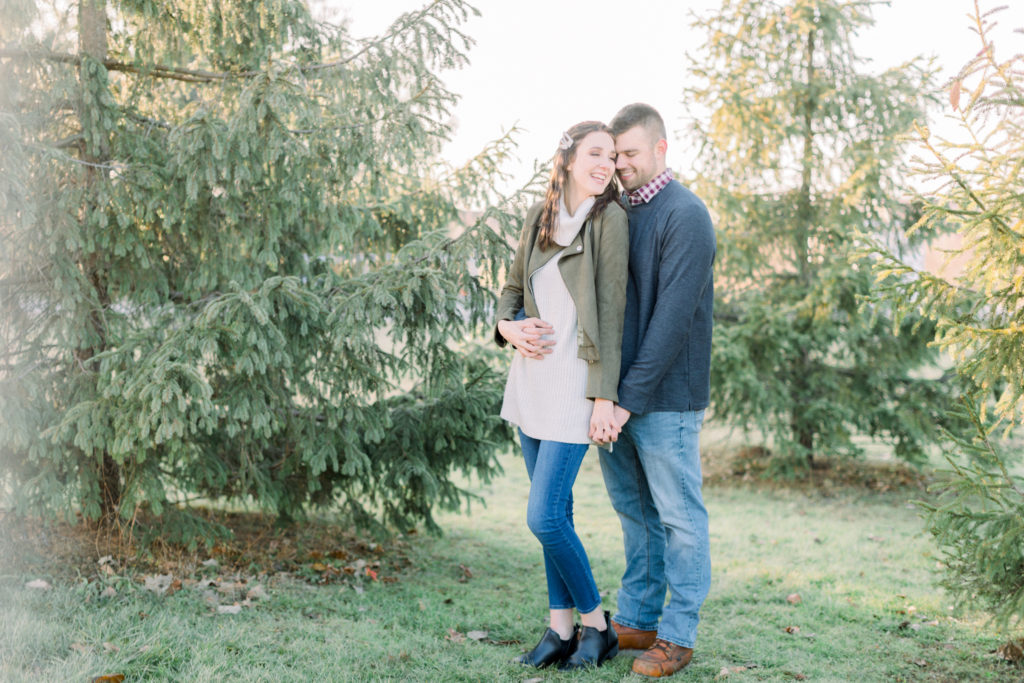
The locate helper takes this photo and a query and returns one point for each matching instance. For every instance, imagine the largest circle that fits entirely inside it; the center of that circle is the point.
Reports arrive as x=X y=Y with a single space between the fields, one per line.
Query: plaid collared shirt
x=644 y=194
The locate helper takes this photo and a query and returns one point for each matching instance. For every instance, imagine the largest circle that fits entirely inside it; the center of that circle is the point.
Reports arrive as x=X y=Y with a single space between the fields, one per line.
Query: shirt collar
x=646 y=193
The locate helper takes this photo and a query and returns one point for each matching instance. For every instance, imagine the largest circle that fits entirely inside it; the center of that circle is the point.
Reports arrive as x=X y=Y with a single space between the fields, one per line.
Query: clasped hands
x=606 y=421
x=527 y=336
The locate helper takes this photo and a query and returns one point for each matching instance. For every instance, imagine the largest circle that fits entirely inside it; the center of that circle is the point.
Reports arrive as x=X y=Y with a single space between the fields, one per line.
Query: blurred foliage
x=234 y=267
x=976 y=302
x=801 y=149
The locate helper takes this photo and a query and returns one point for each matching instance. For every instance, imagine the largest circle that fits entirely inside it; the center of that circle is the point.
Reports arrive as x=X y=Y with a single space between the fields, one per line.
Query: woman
x=569 y=277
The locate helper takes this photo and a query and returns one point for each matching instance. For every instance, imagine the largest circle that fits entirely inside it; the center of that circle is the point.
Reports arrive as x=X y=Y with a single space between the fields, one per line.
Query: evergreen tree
x=977 y=304
x=227 y=270
x=799 y=151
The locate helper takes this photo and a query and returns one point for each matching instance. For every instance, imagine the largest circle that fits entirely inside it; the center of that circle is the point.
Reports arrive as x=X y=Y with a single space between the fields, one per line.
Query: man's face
x=638 y=159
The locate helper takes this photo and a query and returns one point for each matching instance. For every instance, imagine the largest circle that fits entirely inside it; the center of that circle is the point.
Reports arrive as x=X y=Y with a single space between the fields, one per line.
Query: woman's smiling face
x=593 y=165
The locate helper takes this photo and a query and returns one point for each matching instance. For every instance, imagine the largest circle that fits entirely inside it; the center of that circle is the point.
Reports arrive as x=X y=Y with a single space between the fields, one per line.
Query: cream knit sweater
x=546 y=397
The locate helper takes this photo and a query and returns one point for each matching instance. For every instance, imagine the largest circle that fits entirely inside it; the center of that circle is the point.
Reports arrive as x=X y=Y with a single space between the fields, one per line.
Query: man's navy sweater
x=666 y=341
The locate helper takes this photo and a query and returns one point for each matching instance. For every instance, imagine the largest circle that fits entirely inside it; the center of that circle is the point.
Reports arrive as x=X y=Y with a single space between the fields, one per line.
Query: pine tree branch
x=147 y=120
x=69 y=141
x=203 y=75
x=412 y=20
x=157 y=70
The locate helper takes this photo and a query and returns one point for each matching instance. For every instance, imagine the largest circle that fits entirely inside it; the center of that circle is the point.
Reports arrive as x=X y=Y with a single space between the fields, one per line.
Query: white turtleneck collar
x=568 y=225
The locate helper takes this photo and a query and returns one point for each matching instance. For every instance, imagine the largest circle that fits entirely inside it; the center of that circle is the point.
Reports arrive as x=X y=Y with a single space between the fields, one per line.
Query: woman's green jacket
x=595 y=269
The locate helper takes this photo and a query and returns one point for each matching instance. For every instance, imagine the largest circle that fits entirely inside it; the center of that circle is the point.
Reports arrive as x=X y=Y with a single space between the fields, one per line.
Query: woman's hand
x=527 y=336
x=604 y=428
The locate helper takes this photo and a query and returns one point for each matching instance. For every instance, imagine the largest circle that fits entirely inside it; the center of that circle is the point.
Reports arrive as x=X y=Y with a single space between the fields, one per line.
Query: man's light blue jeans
x=553 y=467
x=654 y=481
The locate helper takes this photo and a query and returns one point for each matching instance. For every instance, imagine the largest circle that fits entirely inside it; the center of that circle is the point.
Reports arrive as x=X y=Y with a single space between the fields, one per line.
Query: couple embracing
x=608 y=303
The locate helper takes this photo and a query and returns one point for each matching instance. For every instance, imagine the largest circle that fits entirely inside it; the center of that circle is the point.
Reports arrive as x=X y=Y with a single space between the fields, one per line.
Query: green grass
x=869 y=610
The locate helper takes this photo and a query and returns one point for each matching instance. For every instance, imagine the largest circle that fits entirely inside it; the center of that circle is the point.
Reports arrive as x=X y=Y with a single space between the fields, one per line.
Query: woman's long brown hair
x=548 y=219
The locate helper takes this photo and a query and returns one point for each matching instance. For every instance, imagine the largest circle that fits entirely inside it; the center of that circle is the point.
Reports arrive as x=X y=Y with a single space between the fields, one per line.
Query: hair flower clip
x=566 y=141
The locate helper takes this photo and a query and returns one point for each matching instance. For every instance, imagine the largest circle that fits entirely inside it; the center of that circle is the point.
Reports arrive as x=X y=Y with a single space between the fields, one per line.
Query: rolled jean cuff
x=632 y=624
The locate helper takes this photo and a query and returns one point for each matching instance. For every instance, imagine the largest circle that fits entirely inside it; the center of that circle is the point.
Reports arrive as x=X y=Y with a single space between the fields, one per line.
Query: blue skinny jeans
x=553 y=467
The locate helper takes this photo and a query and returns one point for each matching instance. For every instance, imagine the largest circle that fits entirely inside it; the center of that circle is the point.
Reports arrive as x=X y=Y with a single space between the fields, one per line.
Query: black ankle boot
x=594 y=648
x=550 y=650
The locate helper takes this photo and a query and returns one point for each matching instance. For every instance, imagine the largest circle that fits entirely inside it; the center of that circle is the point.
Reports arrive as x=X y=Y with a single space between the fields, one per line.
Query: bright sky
x=546 y=64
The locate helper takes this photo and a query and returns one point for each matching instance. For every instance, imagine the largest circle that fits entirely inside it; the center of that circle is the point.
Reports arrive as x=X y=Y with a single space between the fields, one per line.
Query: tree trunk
x=803 y=434
x=92 y=41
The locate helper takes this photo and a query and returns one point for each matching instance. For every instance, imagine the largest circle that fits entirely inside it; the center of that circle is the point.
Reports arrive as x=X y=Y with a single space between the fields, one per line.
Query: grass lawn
x=459 y=607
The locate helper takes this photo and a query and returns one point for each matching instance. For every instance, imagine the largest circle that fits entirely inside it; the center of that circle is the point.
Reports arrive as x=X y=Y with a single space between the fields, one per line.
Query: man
x=653 y=474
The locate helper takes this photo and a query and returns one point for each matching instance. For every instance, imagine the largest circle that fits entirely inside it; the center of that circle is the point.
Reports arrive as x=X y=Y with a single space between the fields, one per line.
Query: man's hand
x=621 y=416
x=527 y=336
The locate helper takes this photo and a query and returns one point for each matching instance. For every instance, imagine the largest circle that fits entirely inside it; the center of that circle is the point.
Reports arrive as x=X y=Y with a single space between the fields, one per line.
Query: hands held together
x=527 y=336
x=606 y=421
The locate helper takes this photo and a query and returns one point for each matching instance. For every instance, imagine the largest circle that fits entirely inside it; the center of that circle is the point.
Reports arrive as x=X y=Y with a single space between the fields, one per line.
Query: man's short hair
x=639 y=114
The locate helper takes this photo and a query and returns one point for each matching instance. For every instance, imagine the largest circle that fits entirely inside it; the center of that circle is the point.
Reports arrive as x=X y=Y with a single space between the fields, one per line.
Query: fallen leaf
x=954 y=95
x=505 y=642
x=210 y=563
x=110 y=647
x=39 y=584
x=108 y=592
x=1012 y=651
x=794 y=599
x=476 y=635
x=229 y=609
x=455 y=636
x=158 y=583
x=109 y=678
x=372 y=574
x=467 y=573
x=533 y=680
x=106 y=559
x=792 y=629
x=174 y=587
x=722 y=673
x=320 y=567
x=921 y=663
x=256 y=593
x=81 y=647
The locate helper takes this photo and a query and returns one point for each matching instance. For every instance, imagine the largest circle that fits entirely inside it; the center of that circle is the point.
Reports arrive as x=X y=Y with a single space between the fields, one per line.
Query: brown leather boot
x=662 y=659
x=633 y=638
